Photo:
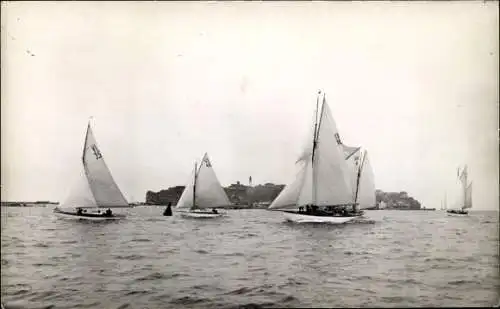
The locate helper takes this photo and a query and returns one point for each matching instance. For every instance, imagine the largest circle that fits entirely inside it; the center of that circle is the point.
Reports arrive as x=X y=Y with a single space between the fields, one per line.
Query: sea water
x=249 y=259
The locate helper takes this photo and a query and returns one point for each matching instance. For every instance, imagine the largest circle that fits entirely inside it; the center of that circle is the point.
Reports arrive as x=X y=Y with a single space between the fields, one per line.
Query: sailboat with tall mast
x=203 y=192
x=326 y=184
x=464 y=200
x=95 y=190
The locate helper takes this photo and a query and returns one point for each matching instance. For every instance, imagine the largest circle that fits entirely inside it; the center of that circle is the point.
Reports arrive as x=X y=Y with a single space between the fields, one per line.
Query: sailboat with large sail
x=327 y=184
x=203 y=192
x=464 y=200
x=95 y=190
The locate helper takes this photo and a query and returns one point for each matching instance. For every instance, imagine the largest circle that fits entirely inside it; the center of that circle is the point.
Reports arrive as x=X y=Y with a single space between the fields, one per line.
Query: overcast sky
x=416 y=84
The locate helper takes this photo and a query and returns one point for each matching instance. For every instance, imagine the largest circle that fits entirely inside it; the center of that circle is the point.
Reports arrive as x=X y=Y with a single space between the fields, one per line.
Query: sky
x=414 y=83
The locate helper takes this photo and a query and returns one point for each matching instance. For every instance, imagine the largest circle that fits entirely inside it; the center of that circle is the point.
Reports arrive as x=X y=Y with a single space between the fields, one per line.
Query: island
x=28 y=204
x=262 y=195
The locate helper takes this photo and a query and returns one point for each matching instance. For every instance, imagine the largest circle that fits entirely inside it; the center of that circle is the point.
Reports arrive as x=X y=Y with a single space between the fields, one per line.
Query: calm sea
x=250 y=259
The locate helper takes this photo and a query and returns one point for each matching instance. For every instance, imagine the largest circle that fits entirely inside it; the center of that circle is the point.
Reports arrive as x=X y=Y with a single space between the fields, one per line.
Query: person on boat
x=79 y=211
x=108 y=213
x=215 y=211
x=301 y=209
x=344 y=212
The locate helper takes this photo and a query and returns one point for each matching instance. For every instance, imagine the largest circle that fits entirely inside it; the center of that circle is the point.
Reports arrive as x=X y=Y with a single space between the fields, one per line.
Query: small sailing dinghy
x=203 y=194
x=96 y=189
x=465 y=197
x=327 y=184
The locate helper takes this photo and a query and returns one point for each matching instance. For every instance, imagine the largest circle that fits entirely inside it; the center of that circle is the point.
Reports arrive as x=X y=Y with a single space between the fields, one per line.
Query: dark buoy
x=168 y=211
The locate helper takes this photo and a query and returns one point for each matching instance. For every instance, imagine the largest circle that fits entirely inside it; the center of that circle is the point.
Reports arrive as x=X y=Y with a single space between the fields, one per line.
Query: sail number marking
x=337 y=137
x=96 y=152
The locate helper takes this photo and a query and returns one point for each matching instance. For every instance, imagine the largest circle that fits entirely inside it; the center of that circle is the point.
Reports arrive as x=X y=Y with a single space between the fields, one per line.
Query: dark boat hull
x=86 y=216
x=457 y=212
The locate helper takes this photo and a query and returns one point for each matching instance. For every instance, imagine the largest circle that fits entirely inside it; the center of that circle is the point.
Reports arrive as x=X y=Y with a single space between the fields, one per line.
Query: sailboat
x=327 y=185
x=203 y=192
x=465 y=197
x=96 y=188
x=366 y=188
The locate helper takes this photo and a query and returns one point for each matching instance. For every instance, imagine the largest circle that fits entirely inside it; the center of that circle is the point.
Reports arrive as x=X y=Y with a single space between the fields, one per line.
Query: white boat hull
x=70 y=216
x=200 y=214
x=303 y=218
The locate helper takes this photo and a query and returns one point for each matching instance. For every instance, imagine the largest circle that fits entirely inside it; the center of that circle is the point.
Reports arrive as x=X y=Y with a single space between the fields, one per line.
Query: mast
x=194 y=185
x=315 y=141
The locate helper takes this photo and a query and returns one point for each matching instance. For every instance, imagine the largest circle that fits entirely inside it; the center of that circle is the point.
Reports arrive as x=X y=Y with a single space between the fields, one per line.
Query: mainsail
x=332 y=178
x=323 y=177
x=464 y=192
x=468 y=197
x=96 y=186
x=204 y=189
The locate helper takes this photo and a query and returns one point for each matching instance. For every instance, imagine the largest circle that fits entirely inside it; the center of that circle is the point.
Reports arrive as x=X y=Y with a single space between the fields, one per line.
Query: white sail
x=186 y=199
x=332 y=178
x=366 y=191
x=209 y=192
x=349 y=151
x=457 y=200
x=306 y=193
x=80 y=194
x=466 y=194
x=328 y=180
x=102 y=185
x=468 y=197
x=290 y=195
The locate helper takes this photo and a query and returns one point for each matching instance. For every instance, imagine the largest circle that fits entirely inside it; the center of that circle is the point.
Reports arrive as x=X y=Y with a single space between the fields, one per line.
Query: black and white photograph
x=244 y=154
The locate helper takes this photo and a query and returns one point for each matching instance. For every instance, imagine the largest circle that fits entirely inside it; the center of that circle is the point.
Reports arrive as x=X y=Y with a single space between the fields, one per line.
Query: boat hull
x=89 y=216
x=200 y=214
x=304 y=218
x=458 y=213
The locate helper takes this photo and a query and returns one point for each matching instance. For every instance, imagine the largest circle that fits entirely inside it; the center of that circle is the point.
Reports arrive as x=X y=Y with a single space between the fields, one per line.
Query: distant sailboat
x=96 y=188
x=464 y=201
x=203 y=191
x=327 y=185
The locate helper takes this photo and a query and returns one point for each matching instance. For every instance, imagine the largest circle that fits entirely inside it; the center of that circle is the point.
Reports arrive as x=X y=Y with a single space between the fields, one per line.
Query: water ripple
x=249 y=259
